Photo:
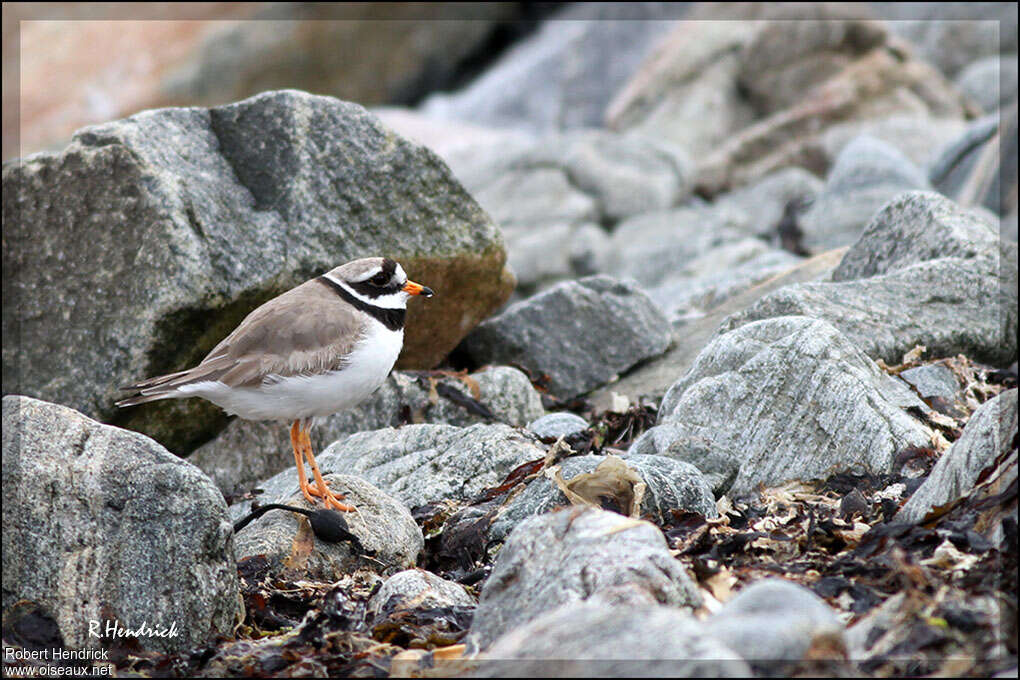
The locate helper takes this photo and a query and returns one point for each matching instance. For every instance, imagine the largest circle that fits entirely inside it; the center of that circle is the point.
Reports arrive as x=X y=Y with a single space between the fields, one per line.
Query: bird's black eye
x=380 y=279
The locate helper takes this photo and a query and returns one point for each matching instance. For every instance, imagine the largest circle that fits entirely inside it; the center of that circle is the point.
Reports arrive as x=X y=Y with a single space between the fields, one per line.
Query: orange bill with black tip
x=412 y=288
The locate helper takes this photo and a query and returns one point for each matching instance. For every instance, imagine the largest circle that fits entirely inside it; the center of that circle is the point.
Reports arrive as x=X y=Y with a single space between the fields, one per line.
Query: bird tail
x=163 y=387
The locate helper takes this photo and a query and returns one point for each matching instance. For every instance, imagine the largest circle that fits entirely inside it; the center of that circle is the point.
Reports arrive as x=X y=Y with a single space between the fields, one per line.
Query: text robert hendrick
x=55 y=654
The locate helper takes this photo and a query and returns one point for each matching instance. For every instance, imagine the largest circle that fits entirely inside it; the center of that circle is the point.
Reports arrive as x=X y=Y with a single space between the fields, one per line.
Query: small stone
x=389 y=539
x=556 y=425
x=612 y=484
x=774 y=622
x=932 y=380
x=417 y=589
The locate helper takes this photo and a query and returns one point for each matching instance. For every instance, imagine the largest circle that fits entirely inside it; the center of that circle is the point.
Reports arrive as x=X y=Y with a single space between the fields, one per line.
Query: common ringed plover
x=316 y=350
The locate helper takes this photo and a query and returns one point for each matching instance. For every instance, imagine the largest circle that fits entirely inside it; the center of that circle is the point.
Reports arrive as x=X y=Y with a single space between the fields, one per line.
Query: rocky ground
x=720 y=377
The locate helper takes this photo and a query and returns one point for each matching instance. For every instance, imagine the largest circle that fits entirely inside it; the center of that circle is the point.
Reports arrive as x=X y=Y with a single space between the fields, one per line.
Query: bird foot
x=330 y=499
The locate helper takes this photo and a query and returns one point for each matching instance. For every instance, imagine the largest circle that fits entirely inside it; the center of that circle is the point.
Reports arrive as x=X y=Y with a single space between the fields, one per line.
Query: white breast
x=313 y=396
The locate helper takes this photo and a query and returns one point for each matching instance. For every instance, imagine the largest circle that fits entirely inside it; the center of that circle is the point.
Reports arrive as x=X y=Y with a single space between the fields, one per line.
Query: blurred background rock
x=77 y=69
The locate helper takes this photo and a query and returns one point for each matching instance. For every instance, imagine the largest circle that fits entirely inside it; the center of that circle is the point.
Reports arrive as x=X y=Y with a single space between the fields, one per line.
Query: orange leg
x=296 y=444
x=329 y=499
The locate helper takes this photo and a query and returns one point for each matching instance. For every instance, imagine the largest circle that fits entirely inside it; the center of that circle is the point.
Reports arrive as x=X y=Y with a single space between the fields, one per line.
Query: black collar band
x=393 y=319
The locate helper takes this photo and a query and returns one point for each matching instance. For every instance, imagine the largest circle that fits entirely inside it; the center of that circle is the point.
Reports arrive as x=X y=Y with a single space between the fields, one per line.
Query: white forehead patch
x=399 y=274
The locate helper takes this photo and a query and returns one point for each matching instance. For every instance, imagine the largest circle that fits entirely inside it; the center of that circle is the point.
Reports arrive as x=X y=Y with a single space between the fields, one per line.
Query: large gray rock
x=154 y=236
x=580 y=333
x=570 y=68
x=381 y=523
x=596 y=639
x=421 y=463
x=963 y=302
x=573 y=555
x=866 y=174
x=613 y=484
x=914 y=228
x=786 y=398
x=774 y=622
x=247 y=452
x=989 y=434
x=101 y=524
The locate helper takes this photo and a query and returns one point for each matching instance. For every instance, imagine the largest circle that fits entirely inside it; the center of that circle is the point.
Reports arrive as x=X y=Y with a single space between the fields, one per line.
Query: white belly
x=300 y=397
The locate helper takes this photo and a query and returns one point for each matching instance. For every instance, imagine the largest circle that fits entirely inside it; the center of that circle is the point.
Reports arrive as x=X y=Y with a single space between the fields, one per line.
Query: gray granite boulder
x=638 y=486
x=574 y=555
x=789 y=398
x=421 y=463
x=155 y=235
x=101 y=524
x=773 y=623
x=581 y=334
x=247 y=452
x=914 y=228
x=382 y=524
x=596 y=639
x=990 y=434
x=925 y=272
x=865 y=175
